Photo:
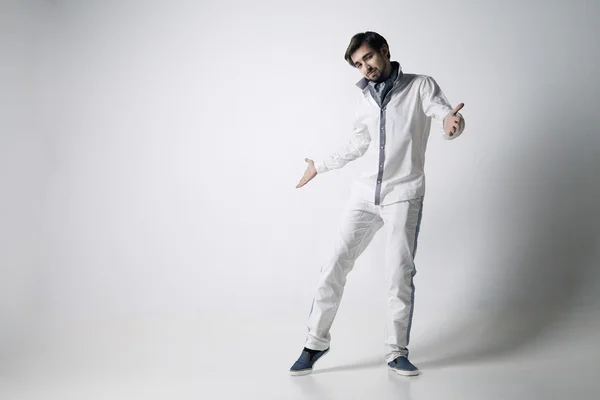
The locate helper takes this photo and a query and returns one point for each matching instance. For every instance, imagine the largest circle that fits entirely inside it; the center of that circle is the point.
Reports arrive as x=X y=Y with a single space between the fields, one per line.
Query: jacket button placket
x=381 y=157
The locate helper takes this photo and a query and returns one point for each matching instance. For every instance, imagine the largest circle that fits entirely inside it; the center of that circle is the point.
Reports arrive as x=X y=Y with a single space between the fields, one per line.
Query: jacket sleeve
x=356 y=147
x=436 y=105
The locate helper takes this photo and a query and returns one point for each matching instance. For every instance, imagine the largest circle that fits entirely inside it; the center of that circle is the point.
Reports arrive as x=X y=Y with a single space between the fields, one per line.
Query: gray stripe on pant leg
x=412 y=275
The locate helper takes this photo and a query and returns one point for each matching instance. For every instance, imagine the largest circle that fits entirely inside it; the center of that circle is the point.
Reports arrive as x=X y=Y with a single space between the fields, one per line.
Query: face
x=374 y=65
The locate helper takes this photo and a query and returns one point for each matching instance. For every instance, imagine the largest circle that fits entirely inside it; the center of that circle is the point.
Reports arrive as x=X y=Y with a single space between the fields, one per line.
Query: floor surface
x=232 y=358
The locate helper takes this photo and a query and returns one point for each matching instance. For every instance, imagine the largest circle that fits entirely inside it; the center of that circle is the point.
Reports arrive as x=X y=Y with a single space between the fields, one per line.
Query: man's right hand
x=310 y=173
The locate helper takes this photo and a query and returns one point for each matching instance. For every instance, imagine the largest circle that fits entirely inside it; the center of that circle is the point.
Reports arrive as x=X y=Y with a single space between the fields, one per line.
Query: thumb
x=458 y=108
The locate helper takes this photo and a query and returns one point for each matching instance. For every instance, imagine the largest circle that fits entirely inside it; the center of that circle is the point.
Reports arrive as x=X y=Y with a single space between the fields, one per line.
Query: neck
x=387 y=72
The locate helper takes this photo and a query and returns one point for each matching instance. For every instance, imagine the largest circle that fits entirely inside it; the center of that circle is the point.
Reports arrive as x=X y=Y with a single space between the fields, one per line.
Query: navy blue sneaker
x=402 y=366
x=304 y=364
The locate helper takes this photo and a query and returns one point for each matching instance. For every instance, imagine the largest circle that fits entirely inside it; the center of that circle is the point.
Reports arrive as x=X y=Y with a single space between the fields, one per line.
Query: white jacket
x=393 y=138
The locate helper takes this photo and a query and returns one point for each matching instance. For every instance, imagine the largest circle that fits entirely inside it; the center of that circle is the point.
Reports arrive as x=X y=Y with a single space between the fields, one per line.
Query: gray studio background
x=149 y=153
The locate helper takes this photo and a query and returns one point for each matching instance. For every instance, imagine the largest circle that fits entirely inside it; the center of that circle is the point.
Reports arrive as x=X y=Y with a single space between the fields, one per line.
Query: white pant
x=360 y=221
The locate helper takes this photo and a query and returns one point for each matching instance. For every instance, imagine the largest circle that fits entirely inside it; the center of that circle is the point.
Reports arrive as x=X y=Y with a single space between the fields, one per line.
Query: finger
x=457 y=120
x=458 y=108
x=306 y=159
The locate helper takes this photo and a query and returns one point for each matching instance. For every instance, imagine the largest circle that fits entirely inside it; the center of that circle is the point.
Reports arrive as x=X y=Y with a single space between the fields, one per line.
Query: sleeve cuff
x=321 y=167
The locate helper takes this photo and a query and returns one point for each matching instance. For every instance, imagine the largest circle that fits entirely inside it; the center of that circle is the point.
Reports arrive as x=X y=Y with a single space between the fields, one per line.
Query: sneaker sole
x=307 y=371
x=405 y=373
x=301 y=372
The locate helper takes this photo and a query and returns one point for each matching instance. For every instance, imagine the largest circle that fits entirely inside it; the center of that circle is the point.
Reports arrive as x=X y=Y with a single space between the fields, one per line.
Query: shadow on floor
x=367 y=364
x=546 y=227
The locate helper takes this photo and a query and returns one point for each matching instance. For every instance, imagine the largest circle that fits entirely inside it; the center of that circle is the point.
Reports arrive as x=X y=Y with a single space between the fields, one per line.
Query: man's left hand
x=453 y=120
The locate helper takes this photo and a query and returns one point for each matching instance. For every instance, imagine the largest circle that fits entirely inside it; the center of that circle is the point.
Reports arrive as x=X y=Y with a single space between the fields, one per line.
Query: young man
x=391 y=130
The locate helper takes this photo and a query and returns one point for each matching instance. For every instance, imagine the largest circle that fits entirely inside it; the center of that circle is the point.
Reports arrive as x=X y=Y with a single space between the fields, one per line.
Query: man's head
x=369 y=52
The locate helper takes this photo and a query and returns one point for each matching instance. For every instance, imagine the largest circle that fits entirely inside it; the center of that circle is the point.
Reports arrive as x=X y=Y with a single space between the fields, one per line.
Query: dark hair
x=373 y=39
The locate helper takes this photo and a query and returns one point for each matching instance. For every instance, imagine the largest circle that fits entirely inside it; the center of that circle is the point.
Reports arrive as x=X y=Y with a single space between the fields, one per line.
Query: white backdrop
x=150 y=152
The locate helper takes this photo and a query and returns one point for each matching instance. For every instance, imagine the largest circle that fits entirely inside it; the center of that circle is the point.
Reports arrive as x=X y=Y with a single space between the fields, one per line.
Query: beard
x=376 y=75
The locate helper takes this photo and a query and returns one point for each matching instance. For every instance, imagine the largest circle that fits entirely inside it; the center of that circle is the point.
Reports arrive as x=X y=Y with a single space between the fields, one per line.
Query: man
x=391 y=130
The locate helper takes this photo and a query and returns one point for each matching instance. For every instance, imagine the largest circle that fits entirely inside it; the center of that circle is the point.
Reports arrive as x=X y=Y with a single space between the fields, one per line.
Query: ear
x=385 y=50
